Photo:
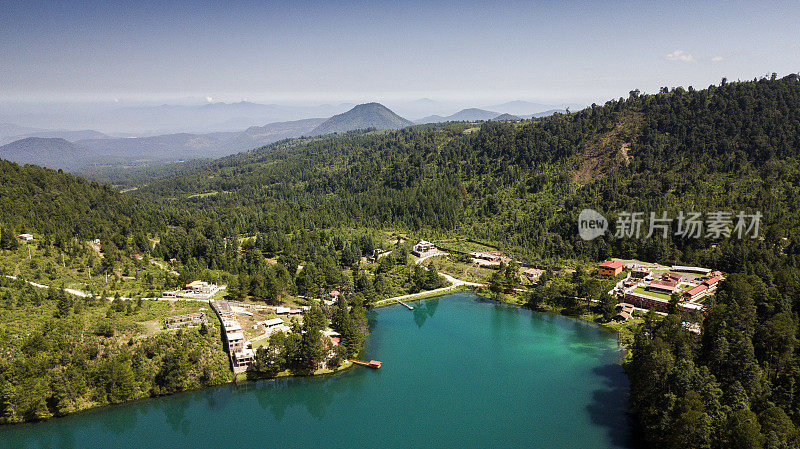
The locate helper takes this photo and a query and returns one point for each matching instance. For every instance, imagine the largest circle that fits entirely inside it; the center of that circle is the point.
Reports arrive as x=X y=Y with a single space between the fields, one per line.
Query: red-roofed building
x=610 y=268
x=712 y=280
x=662 y=286
x=712 y=283
x=695 y=292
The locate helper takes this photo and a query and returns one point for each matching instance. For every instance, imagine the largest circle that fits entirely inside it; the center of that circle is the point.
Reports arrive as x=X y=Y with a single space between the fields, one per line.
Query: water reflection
x=423 y=310
x=121 y=420
x=218 y=398
x=175 y=413
x=315 y=395
x=610 y=403
x=502 y=318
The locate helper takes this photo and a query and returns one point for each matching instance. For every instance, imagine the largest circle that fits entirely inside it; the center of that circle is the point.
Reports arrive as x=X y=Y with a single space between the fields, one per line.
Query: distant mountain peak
x=362 y=116
x=464 y=115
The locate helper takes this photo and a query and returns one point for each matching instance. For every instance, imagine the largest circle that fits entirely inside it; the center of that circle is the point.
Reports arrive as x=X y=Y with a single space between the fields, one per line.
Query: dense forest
x=729 y=147
x=253 y=218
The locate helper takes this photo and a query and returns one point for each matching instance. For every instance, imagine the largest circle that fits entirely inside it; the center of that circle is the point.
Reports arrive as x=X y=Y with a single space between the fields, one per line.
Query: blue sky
x=555 y=51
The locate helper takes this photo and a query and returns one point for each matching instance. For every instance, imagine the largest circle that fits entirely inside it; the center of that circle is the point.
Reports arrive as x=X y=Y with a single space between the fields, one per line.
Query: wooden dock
x=371 y=364
x=408 y=306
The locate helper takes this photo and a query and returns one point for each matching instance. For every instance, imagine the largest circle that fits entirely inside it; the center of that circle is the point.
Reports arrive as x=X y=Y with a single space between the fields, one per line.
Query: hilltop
x=363 y=116
x=464 y=115
x=51 y=152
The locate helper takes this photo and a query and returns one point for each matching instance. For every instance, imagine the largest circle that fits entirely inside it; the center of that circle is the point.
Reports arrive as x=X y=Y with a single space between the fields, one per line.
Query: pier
x=408 y=306
x=371 y=364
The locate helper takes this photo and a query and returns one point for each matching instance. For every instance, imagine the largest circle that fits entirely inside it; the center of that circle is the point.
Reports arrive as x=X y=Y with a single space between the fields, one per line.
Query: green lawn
x=644 y=292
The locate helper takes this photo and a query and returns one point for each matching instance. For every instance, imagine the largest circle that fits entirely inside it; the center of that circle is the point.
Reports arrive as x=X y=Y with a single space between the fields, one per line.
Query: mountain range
x=77 y=150
x=151 y=120
x=464 y=115
x=58 y=153
x=475 y=114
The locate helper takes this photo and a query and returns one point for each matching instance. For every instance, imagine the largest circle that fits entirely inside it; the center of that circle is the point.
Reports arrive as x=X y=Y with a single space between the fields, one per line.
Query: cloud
x=209 y=99
x=717 y=59
x=680 y=55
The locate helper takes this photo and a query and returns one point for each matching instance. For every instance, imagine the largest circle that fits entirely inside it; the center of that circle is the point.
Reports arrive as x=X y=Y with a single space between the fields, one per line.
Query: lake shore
x=241 y=378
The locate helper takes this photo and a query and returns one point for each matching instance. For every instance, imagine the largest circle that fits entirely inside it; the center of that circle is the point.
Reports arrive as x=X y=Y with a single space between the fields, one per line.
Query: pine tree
x=312 y=349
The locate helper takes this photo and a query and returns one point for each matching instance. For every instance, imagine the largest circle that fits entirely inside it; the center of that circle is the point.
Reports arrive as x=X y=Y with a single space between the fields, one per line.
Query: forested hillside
x=732 y=147
x=35 y=199
x=63 y=353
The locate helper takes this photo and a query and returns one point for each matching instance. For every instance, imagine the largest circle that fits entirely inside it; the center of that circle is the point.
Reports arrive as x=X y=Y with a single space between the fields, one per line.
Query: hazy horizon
x=311 y=51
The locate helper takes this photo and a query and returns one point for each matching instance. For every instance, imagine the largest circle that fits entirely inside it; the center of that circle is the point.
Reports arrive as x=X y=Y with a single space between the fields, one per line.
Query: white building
x=273 y=322
x=423 y=247
x=200 y=287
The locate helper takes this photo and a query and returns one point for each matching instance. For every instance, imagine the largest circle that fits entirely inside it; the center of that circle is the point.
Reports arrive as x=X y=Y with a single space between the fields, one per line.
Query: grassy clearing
x=204 y=195
x=144 y=319
x=462 y=270
x=644 y=292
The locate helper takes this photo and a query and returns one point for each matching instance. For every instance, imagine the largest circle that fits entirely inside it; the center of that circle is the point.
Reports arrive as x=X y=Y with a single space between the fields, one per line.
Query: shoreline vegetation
x=212 y=331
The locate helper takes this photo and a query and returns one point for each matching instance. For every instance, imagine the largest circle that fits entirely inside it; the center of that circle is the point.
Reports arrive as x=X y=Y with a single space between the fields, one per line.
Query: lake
x=458 y=371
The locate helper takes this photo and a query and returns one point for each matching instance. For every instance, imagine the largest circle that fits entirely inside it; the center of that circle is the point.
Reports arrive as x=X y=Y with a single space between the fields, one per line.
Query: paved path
x=455 y=284
x=71 y=291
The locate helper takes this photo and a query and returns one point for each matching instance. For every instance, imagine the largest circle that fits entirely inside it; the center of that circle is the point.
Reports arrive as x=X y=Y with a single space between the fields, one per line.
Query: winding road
x=454 y=283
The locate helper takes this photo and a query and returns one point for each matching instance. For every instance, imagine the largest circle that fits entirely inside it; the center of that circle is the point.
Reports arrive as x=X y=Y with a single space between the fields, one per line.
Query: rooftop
x=663 y=285
x=613 y=264
x=237 y=335
x=695 y=290
x=272 y=322
x=691 y=269
x=713 y=280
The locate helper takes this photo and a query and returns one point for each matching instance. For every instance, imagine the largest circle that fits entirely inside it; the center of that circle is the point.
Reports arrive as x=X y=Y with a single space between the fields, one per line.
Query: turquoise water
x=457 y=372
